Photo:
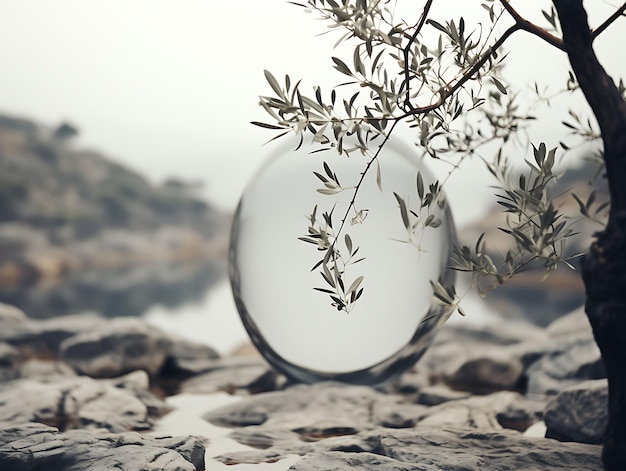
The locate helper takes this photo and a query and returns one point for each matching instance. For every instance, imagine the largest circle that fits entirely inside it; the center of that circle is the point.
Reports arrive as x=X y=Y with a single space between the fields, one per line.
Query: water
x=296 y=327
x=212 y=320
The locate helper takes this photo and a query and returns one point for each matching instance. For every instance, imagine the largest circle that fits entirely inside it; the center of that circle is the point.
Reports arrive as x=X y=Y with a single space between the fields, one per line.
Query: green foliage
x=443 y=78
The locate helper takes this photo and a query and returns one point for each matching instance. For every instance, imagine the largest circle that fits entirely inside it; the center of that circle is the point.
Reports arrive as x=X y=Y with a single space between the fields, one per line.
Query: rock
x=80 y=402
x=322 y=409
x=34 y=446
x=484 y=358
x=397 y=415
x=46 y=370
x=234 y=374
x=425 y=448
x=569 y=356
x=249 y=457
x=579 y=413
x=186 y=358
x=479 y=450
x=567 y=363
x=570 y=326
x=336 y=461
x=412 y=381
x=486 y=373
x=438 y=394
x=123 y=345
x=9 y=366
x=492 y=412
x=261 y=437
x=11 y=316
x=43 y=337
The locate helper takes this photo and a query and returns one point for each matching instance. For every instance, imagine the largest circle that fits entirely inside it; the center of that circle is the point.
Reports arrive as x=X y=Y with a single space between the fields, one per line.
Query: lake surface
x=194 y=302
x=212 y=320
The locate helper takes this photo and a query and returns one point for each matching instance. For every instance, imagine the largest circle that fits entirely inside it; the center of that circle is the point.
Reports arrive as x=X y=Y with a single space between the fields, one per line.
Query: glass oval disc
x=296 y=327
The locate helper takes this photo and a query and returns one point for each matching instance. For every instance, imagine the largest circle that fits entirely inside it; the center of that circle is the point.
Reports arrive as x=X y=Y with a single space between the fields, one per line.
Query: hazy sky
x=169 y=87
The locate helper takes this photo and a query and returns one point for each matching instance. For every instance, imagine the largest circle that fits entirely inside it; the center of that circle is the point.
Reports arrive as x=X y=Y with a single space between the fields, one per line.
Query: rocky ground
x=85 y=393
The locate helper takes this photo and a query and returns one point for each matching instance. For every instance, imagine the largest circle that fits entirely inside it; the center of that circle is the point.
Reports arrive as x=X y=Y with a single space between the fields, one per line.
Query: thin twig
x=406 y=50
x=357 y=187
x=600 y=29
x=532 y=28
x=449 y=90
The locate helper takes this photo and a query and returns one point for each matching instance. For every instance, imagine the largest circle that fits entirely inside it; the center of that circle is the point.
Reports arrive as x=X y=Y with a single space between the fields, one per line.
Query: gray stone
x=123 y=345
x=263 y=437
x=567 y=363
x=482 y=450
x=425 y=448
x=412 y=381
x=570 y=326
x=579 y=413
x=234 y=374
x=80 y=402
x=34 y=446
x=11 y=315
x=9 y=365
x=43 y=337
x=492 y=412
x=397 y=415
x=481 y=358
x=186 y=358
x=485 y=373
x=322 y=409
x=337 y=461
x=45 y=370
x=438 y=394
x=250 y=457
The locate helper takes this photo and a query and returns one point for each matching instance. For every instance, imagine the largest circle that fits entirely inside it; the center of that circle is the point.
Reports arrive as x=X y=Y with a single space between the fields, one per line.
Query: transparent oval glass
x=295 y=327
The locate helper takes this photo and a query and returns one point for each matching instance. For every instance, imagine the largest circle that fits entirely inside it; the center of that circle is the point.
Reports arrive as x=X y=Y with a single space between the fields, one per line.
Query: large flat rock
x=33 y=446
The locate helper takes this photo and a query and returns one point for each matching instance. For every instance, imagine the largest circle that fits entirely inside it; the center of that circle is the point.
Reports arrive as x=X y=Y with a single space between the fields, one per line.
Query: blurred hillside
x=65 y=211
x=70 y=194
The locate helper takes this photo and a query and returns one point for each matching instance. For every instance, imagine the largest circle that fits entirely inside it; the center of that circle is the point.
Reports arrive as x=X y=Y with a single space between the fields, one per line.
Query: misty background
x=169 y=88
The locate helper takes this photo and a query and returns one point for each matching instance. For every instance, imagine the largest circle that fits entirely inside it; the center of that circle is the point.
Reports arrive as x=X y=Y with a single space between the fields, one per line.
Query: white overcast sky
x=169 y=87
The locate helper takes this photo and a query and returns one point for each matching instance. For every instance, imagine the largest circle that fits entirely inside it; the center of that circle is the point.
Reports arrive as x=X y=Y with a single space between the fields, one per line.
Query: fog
x=169 y=88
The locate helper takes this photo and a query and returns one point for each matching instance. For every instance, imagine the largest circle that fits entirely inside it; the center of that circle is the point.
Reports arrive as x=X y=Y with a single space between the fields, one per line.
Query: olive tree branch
x=450 y=89
x=600 y=29
x=406 y=50
x=531 y=27
x=358 y=186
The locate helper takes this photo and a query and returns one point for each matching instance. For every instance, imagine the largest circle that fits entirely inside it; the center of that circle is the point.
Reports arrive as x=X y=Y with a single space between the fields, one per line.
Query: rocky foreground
x=85 y=393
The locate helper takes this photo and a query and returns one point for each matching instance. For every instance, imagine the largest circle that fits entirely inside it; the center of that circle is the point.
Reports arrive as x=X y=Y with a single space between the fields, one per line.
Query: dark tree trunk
x=604 y=268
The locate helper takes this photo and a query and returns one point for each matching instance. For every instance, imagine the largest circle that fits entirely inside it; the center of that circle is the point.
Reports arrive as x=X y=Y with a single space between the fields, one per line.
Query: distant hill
x=65 y=210
x=73 y=193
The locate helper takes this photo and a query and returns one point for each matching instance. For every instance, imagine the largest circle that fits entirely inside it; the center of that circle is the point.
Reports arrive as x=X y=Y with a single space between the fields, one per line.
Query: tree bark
x=604 y=267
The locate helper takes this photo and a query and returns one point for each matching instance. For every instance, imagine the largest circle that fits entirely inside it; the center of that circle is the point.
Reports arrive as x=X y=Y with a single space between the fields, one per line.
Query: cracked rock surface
x=33 y=446
x=85 y=393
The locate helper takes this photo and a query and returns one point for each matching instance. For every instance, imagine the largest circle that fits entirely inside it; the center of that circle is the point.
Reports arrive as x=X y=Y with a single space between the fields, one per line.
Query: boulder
x=33 y=446
x=43 y=337
x=9 y=365
x=186 y=358
x=496 y=411
x=81 y=402
x=11 y=315
x=568 y=362
x=234 y=374
x=121 y=346
x=425 y=448
x=579 y=413
x=322 y=409
x=486 y=373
